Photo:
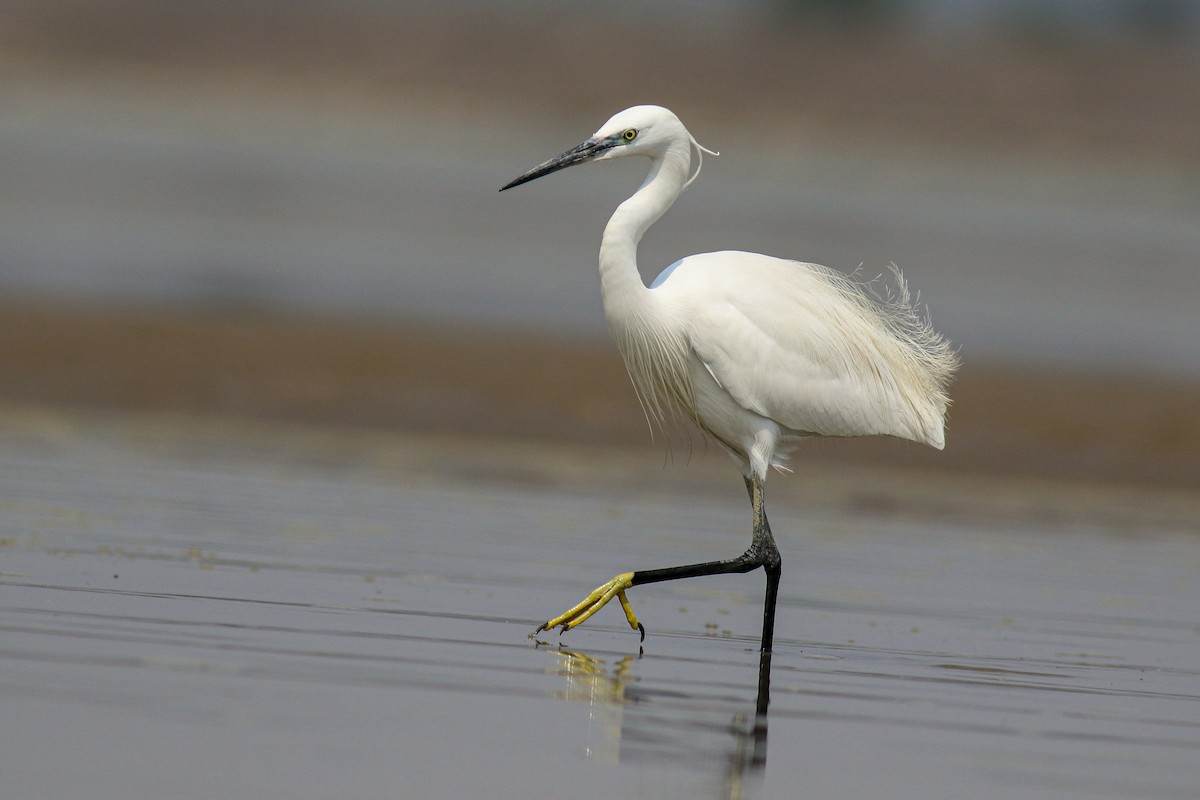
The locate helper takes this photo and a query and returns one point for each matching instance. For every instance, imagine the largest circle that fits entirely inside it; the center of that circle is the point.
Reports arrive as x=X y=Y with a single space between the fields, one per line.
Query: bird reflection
x=633 y=722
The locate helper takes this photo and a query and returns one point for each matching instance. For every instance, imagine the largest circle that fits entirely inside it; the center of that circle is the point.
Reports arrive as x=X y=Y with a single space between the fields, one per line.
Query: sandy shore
x=1006 y=420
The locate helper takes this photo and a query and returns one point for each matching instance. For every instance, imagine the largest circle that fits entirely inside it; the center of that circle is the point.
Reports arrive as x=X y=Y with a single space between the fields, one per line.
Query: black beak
x=584 y=151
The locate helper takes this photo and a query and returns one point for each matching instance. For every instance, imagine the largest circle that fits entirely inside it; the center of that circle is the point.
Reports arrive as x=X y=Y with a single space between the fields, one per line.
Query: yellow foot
x=593 y=603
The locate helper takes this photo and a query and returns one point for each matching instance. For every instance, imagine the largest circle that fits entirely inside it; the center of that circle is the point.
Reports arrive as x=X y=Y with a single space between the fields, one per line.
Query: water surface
x=197 y=610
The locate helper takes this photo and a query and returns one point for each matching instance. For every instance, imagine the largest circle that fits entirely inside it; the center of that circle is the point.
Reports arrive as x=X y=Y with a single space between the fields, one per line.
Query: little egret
x=758 y=352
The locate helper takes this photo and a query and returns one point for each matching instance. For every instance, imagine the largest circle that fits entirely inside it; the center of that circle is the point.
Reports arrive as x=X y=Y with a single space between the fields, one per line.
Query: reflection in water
x=589 y=681
x=639 y=724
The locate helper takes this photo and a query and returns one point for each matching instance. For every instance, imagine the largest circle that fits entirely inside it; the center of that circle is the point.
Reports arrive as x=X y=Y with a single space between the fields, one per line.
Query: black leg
x=768 y=635
x=762 y=552
x=771 y=560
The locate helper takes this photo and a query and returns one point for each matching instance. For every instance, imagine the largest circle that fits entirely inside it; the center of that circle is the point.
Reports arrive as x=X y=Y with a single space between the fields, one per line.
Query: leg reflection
x=749 y=759
x=631 y=719
x=760 y=709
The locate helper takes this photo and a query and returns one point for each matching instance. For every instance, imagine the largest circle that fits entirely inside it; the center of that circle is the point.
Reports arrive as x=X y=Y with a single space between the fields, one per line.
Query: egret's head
x=639 y=131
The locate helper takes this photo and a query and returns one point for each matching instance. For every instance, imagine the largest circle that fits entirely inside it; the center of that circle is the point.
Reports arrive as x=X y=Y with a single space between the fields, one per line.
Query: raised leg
x=761 y=553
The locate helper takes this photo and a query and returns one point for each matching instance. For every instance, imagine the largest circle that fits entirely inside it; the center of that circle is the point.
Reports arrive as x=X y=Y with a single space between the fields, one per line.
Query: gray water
x=121 y=192
x=197 y=611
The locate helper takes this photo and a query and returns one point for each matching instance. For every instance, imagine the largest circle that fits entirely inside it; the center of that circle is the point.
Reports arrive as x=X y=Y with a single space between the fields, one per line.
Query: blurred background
x=290 y=210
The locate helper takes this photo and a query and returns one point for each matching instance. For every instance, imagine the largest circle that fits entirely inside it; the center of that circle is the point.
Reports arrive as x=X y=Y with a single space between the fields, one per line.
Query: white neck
x=621 y=285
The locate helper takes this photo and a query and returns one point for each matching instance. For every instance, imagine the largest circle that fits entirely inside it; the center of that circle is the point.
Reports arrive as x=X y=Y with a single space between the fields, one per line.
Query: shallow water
x=197 y=611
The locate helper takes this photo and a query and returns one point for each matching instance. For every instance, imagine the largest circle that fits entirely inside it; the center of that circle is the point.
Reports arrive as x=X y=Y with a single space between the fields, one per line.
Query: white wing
x=808 y=348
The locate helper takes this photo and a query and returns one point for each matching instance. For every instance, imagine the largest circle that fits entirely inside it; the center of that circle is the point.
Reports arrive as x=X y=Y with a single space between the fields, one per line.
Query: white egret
x=758 y=352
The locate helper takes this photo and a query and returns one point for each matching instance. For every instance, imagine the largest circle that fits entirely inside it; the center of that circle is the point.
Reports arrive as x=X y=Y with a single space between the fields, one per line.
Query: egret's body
x=757 y=351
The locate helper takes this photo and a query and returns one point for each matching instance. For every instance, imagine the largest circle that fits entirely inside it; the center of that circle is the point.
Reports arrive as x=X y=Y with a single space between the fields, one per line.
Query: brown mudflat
x=373 y=374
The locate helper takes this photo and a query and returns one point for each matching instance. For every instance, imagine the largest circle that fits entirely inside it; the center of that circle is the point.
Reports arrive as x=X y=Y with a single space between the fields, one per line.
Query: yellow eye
x=629 y=135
